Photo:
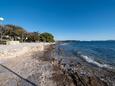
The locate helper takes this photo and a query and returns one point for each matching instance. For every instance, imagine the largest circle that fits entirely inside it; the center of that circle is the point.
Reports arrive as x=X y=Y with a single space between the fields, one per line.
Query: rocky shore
x=42 y=67
x=83 y=73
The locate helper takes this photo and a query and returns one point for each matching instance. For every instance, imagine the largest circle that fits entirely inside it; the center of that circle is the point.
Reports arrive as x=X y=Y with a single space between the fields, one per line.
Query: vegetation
x=13 y=32
x=33 y=37
x=46 y=37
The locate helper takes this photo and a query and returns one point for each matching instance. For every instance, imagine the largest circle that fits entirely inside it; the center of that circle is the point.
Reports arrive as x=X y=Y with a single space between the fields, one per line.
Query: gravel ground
x=10 y=51
x=25 y=68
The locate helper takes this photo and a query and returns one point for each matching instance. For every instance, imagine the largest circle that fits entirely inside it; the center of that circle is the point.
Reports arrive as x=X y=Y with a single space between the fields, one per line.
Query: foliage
x=16 y=30
x=33 y=37
x=46 y=37
x=18 y=33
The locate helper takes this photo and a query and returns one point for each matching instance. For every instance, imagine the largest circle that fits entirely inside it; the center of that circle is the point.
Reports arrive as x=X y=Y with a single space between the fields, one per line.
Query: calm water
x=99 y=53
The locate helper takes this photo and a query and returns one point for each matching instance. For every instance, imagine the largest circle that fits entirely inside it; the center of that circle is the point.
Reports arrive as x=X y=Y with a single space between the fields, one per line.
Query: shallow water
x=99 y=53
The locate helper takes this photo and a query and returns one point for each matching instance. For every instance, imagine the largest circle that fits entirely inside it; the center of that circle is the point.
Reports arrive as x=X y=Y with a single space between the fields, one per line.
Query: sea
x=98 y=53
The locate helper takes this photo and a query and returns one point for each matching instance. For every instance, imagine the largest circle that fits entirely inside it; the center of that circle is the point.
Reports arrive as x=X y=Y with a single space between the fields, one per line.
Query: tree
x=16 y=29
x=46 y=37
x=33 y=37
x=8 y=30
x=15 y=32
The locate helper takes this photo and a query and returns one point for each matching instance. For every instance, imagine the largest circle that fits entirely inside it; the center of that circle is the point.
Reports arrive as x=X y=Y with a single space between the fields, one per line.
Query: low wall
x=12 y=42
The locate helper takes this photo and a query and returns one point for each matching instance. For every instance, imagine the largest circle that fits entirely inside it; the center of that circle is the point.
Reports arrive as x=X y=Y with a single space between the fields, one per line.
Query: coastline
x=83 y=72
x=41 y=67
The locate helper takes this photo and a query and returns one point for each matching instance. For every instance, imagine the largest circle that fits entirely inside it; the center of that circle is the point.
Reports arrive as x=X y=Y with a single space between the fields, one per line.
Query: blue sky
x=65 y=19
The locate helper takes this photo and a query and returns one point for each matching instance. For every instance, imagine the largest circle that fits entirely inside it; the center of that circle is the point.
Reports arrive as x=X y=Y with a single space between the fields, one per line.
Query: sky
x=65 y=19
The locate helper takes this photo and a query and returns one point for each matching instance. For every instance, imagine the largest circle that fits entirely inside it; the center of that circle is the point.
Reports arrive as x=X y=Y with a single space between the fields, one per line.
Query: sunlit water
x=99 y=53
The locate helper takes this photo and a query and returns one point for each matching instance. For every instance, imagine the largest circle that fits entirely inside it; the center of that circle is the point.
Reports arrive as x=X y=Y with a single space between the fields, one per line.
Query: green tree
x=46 y=37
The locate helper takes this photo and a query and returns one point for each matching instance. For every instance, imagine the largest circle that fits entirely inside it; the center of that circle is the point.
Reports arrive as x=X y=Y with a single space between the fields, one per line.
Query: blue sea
x=99 y=53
